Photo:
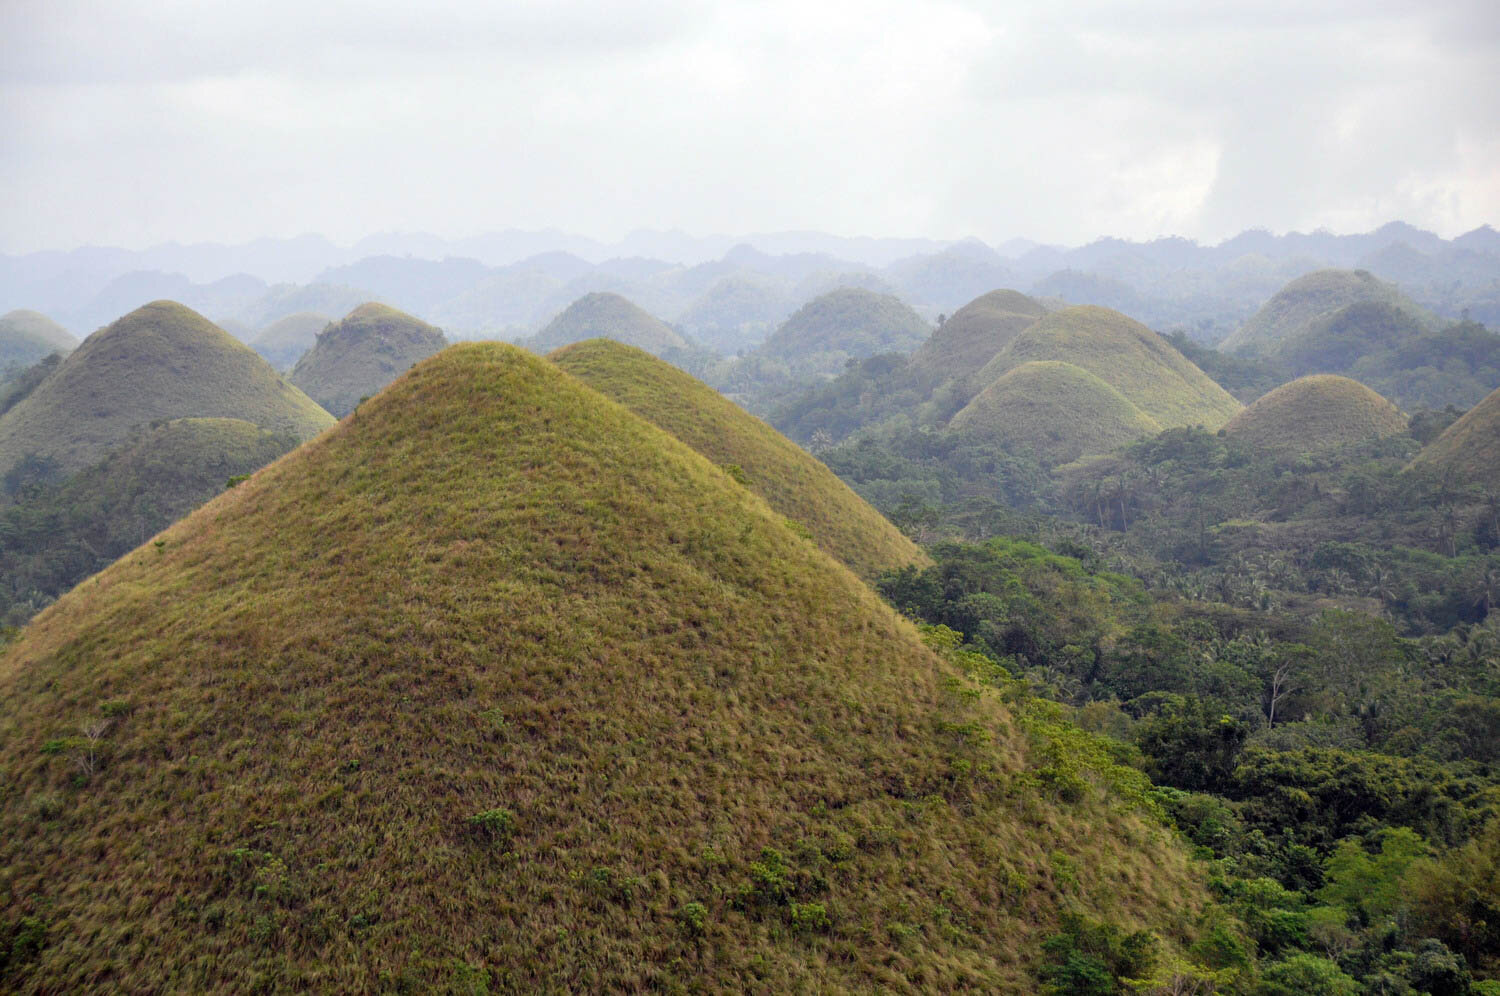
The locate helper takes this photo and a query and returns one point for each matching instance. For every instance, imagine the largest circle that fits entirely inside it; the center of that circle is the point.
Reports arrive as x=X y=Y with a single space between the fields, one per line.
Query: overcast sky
x=131 y=122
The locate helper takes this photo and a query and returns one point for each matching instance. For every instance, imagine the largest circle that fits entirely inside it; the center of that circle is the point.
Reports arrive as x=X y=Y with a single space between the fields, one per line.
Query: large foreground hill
x=498 y=683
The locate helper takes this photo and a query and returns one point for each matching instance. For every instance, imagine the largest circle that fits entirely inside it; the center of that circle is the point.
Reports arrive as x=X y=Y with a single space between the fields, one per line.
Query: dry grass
x=494 y=589
x=357 y=356
x=1299 y=305
x=972 y=336
x=1469 y=449
x=1315 y=413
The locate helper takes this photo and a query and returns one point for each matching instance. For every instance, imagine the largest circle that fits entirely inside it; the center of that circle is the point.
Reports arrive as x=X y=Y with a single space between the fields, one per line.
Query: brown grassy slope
x=609 y=316
x=1127 y=356
x=1057 y=410
x=1314 y=413
x=1299 y=305
x=1469 y=449
x=161 y=361
x=973 y=335
x=27 y=336
x=283 y=342
x=786 y=476
x=362 y=353
x=494 y=589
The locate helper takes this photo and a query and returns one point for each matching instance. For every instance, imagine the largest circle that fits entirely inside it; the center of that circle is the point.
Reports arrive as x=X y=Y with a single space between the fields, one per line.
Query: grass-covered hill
x=845 y=323
x=357 y=356
x=498 y=684
x=27 y=336
x=973 y=334
x=284 y=342
x=55 y=536
x=604 y=315
x=161 y=361
x=792 y=482
x=1469 y=449
x=1300 y=305
x=1127 y=356
x=1319 y=412
x=1056 y=410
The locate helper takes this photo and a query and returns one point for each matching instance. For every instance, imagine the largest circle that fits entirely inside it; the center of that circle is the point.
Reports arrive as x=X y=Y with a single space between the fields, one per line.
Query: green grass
x=357 y=356
x=1321 y=412
x=791 y=481
x=494 y=591
x=27 y=336
x=843 y=323
x=608 y=316
x=1298 y=307
x=284 y=342
x=972 y=336
x=1057 y=410
x=1127 y=356
x=1468 y=451
x=161 y=361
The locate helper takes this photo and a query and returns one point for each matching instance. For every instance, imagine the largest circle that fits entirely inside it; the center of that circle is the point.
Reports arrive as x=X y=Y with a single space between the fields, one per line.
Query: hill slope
x=1314 y=413
x=1057 y=410
x=284 y=342
x=1469 y=449
x=791 y=481
x=608 y=316
x=1294 y=309
x=27 y=336
x=357 y=356
x=845 y=323
x=498 y=683
x=1127 y=356
x=161 y=361
x=974 y=334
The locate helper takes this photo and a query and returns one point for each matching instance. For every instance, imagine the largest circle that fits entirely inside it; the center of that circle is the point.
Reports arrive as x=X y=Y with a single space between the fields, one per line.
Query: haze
x=131 y=123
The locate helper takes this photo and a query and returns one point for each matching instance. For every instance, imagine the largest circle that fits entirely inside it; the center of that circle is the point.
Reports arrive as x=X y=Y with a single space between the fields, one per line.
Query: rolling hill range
x=1468 y=451
x=792 y=482
x=844 y=323
x=1136 y=362
x=1297 y=307
x=1319 y=412
x=27 y=336
x=1057 y=410
x=161 y=361
x=357 y=356
x=973 y=335
x=608 y=316
x=284 y=342
x=498 y=683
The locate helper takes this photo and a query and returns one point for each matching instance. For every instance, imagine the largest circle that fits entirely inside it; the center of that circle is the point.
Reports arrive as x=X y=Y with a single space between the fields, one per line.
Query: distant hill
x=607 y=316
x=1320 y=412
x=1468 y=451
x=499 y=684
x=284 y=342
x=357 y=356
x=27 y=336
x=973 y=334
x=161 y=361
x=244 y=333
x=1301 y=304
x=1127 y=356
x=791 y=481
x=1057 y=410
x=736 y=312
x=843 y=324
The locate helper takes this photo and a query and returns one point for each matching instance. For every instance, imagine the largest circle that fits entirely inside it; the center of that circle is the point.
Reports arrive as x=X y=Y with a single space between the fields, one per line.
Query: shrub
x=810 y=918
x=693 y=918
x=494 y=824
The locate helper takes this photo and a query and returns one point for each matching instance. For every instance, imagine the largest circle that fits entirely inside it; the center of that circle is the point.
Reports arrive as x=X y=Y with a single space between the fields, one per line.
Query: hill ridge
x=361 y=353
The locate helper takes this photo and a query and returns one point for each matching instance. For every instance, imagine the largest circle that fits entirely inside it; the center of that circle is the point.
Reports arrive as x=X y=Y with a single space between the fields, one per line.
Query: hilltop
x=1057 y=410
x=848 y=322
x=161 y=361
x=1320 y=412
x=27 y=336
x=353 y=358
x=608 y=316
x=792 y=482
x=284 y=342
x=971 y=337
x=1469 y=449
x=1295 y=309
x=1136 y=362
x=498 y=683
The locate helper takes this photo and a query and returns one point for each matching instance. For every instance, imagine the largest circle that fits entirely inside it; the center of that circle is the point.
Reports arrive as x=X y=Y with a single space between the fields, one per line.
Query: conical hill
x=1127 y=356
x=845 y=323
x=284 y=342
x=1320 y=412
x=27 y=336
x=1058 y=411
x=973 y=334
x=1296 y=308
x=1468 y=451
x=161 y=361
x=356 y=357
x=792 y=482
x=609 y=316
x=498 y=684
